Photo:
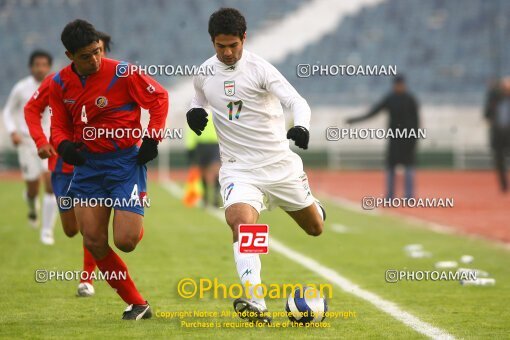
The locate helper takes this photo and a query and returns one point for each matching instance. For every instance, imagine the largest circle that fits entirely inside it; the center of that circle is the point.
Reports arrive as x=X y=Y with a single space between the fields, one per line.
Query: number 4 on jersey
x=231 y=105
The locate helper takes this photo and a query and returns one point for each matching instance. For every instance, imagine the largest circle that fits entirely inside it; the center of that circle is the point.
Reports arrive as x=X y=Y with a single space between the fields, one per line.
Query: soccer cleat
x=47 y=238
x=85 y=289
x=251 y=311
x=323 y=210
x=137 y=312
x=32 y=220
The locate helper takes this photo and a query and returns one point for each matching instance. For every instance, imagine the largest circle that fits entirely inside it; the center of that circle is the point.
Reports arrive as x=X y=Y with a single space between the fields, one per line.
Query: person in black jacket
x=497 y=112
x=403 y=110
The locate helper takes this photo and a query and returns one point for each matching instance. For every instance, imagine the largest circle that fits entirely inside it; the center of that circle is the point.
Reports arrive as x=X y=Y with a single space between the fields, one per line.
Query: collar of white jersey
x=239 y=65
x=34 y=81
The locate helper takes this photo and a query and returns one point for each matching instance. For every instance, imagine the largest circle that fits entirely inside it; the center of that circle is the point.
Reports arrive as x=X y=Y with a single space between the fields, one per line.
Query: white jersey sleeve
x=276 y=84
x=14 y=116
x=199 y=100
x=12 y=106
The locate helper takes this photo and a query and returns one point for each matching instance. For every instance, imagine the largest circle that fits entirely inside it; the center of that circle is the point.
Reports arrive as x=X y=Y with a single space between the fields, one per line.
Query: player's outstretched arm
x=149 y=94
x=375 y=110
x=11 y=105
x=276 y=84
x=33 y=110
x=62 y=130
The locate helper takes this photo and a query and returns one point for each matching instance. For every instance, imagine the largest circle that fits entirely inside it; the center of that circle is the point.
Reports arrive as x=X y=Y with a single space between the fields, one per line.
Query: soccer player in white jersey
x=32 y=167
x=245 y=96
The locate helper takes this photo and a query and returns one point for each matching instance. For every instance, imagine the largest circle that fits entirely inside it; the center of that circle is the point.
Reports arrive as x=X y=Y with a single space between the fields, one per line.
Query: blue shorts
x=60 y=182
x=112 y=177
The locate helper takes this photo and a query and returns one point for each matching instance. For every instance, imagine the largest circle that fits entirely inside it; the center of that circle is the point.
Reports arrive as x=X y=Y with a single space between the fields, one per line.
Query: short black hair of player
x=106 y=39
x=227 y=21
x=78 y=34
x=39 y=54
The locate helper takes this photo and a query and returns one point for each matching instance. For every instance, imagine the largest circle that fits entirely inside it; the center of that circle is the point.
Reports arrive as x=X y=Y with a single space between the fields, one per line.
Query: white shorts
x=31 y=165
x=283 y=184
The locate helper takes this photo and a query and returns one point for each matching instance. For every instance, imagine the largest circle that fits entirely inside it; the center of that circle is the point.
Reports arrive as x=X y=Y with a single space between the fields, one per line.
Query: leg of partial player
x=127 y=232
x=31 y=196
x=390 y=181
x=310 y=219
x=500 y=165
x=248 y=265
x=409 y=181
x=209 y=178
x=49 y=211
x=93 y=223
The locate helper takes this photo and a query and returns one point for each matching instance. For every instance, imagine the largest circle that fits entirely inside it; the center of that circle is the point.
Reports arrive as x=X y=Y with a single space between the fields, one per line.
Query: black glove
x=148 y=151
x=197 y=120
x=69 y=152
x=300 y=136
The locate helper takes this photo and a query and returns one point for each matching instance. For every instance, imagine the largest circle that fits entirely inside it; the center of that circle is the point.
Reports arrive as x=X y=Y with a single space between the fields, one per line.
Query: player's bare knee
x=69 y=224
x=70 y=231
x=125 y=244
x=315 y=229
x=234 y=224
x=97 y=246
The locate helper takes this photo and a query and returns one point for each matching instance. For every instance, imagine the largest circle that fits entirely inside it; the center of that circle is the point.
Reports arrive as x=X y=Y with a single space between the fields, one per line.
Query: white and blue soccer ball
x=306 y=305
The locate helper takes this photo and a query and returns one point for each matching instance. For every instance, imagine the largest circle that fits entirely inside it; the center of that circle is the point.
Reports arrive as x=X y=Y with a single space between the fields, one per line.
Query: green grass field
x=181 y=242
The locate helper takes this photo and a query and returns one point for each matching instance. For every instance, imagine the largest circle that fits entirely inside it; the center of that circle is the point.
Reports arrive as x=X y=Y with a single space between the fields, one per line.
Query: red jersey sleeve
x=34 y=109
x=150 y=95
x=61 y=121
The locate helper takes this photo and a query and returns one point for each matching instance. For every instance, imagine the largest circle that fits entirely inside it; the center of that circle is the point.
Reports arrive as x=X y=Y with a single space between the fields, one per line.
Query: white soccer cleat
x=252 y=311
x=47 y=238
x=85 y=289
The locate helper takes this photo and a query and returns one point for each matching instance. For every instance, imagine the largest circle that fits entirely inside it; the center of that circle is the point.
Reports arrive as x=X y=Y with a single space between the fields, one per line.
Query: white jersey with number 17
x=246 y=102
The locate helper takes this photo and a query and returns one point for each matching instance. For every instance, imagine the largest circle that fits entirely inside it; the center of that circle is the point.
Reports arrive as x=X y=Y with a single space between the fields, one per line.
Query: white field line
x=340 y=228
x=345 y=284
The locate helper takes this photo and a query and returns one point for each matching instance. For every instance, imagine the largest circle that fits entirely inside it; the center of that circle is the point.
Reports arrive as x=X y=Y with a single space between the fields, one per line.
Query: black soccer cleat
x=137 y=312
x=251 y=311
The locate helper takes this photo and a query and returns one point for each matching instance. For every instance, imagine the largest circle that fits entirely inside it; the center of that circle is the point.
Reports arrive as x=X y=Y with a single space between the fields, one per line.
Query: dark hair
x=106 y=39
x=78 y=34
x=399 y=79
x=39 y=54
x=227 y=21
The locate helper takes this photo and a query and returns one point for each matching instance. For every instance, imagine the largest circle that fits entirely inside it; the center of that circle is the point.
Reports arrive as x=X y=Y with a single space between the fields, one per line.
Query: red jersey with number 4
x=109 y=99
x=34 y=110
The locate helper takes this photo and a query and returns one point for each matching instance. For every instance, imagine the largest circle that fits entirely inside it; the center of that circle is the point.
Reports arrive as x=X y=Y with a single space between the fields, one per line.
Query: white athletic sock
x=319 y=210
x=248 y=268
x=49 y=213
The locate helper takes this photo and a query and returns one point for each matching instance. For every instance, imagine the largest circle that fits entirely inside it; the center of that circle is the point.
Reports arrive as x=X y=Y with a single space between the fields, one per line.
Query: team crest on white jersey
x=230 y=87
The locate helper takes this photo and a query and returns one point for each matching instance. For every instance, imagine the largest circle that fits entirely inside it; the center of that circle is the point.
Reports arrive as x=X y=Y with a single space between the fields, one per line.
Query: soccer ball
x=306 y=305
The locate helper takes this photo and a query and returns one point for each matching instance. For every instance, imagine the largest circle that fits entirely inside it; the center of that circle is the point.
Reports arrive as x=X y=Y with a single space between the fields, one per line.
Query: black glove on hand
x=148 y=151
x=70 y=154
x=197 y=120
x=300 y=136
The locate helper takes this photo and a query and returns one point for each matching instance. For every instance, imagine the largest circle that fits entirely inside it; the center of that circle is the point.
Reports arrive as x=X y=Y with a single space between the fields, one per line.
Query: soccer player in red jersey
x=61 y=172
x=90 y=94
